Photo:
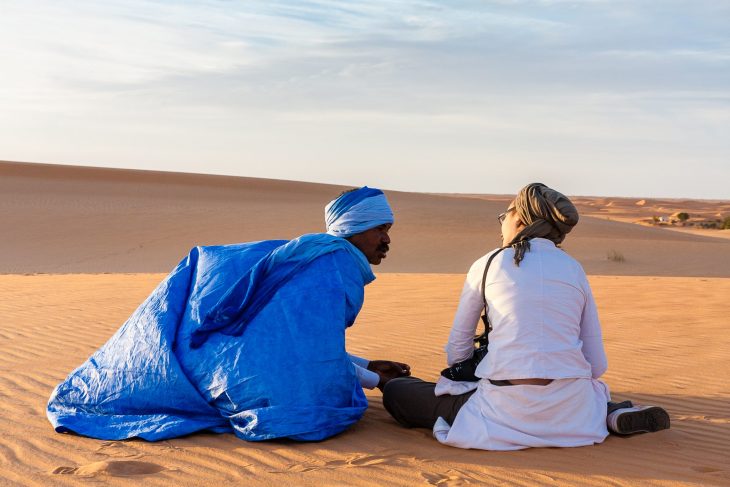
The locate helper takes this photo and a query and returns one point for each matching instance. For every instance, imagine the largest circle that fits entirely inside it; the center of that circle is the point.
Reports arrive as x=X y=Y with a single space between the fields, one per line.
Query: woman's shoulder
x=563 y=260
x=565 y=256
x=476 y=271
x=482 y=261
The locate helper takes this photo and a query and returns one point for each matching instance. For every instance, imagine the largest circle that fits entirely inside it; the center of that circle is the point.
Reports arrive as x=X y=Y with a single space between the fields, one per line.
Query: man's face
x=374 y=243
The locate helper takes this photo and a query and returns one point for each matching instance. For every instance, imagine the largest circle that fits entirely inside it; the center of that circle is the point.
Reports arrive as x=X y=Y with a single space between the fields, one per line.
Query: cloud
x=295 y=85
x=681 y=55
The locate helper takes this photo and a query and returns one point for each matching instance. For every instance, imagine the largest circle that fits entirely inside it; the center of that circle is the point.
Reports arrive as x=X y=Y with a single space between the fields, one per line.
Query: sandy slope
x=665 y=337
x=61 y=219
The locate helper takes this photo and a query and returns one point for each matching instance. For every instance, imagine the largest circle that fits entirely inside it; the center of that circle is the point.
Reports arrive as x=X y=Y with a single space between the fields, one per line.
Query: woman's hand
x=388 y=370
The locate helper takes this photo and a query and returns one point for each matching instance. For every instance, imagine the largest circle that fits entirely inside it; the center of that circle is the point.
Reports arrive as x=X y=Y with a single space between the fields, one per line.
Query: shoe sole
x=647 y=420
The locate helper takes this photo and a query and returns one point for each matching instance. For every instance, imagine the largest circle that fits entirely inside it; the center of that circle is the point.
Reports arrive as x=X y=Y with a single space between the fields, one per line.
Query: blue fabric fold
x=250 y=293
x=274 y=366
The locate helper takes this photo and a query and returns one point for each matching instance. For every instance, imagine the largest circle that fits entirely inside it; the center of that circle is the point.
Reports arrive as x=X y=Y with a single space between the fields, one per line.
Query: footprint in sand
x=298 y=468
x=444 y=480
x=118 y=449
x=454 y=478
x=114 y=469
x=362 y=461
x=706 y=418
x=354 y=461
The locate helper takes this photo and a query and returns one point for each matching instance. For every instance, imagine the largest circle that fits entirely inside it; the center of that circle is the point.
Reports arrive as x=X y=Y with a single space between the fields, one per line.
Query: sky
x=592 y=97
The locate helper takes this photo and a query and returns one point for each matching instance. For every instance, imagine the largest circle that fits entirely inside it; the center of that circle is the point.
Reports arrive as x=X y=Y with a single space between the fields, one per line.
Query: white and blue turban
x=357 y=211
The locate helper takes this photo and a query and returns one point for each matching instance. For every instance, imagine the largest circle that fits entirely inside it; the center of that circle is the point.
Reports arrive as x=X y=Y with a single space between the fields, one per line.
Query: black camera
x=464 y=371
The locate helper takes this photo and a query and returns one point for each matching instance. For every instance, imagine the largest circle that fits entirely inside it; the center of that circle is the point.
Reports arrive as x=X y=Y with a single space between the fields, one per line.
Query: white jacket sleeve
x=359 y=361
x=591 y=336
x=461 y=339
x=368 y=379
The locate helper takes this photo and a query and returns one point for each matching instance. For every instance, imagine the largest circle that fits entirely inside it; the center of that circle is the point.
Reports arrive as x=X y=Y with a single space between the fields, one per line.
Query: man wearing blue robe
x=248 y=338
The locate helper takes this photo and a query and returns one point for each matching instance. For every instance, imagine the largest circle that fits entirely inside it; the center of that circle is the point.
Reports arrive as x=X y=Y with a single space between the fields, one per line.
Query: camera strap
x=485 y=318
x=465 y=370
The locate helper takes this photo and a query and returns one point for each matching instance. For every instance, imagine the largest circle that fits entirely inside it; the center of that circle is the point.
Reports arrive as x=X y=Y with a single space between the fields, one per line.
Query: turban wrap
x=546 y=213
x=356 y=211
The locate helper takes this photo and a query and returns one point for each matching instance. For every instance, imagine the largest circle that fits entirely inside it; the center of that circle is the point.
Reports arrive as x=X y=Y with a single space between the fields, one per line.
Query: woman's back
x=537 y=314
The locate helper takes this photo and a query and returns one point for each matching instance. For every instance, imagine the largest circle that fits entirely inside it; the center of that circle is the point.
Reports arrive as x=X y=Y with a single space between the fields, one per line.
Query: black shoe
x=637 y=419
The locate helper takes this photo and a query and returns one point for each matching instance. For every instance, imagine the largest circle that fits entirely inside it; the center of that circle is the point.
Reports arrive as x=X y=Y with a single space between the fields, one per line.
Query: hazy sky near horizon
x=593 y=97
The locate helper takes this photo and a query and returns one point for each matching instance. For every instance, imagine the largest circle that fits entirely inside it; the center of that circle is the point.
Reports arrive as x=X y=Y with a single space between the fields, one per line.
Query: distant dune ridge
x=65 y=219
x=95 y=242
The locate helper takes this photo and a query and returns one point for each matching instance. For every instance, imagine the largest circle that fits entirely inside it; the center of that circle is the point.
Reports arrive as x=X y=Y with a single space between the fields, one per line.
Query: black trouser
x=411 y=401
x=413 y=404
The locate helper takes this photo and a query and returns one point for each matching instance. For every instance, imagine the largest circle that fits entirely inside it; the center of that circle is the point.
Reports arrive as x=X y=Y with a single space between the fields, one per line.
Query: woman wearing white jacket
x=538 y=385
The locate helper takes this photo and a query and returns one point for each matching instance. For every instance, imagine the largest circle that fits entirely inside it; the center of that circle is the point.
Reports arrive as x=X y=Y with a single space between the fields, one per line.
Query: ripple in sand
x=112 y=468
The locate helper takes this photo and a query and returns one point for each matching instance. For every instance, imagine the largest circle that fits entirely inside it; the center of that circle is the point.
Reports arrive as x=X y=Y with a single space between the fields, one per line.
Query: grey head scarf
x=546 y=213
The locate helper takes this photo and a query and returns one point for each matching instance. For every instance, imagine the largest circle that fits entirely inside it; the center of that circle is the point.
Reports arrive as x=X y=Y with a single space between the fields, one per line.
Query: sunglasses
x=502 y=216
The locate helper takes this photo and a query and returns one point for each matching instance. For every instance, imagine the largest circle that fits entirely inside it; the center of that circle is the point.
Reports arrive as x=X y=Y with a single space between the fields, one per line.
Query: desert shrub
x=726 y=223
x=683 y=216
x=615 y=256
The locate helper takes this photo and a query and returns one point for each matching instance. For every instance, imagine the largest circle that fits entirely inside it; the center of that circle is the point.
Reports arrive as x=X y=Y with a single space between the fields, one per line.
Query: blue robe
x=248 y=338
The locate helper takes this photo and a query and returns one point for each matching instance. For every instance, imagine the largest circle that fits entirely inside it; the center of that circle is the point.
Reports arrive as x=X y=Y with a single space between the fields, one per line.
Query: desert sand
x=83 y=247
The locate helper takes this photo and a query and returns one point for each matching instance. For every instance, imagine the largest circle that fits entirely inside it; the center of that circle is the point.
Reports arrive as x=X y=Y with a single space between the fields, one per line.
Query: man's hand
x=387 y=370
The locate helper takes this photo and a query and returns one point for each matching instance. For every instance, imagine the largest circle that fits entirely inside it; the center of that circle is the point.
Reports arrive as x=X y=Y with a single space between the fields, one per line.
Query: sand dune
x=665 y=337
x=95 y=242
x=64 y=219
